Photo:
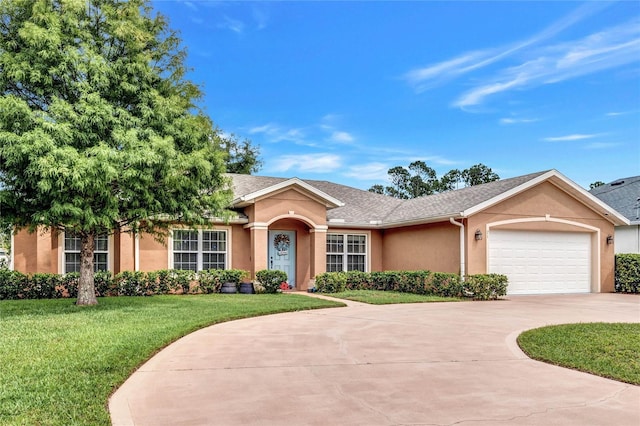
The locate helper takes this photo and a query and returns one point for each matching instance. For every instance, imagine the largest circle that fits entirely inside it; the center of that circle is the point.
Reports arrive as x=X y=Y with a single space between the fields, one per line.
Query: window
x=346 y=252
x=72 y=245
x=198 y=250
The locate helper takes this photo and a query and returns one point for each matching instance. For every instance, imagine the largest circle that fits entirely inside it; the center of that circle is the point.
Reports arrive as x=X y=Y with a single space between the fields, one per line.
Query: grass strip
x=605 y=349
x=375 y=297
x=59 y=363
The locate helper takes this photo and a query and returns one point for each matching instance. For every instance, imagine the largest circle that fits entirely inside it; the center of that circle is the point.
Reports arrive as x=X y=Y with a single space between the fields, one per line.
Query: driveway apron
x=410 y=364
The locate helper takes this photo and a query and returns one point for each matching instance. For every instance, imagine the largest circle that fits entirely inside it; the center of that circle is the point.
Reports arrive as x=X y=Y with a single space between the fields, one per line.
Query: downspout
x=455 y=222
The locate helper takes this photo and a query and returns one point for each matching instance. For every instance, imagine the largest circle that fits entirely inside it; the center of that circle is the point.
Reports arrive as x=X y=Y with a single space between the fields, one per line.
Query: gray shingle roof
x=623 y=195
x=364 y=208
x=451 y=203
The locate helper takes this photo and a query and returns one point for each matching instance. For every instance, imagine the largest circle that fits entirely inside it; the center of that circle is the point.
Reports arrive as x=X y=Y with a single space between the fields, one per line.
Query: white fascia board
x=251 y=197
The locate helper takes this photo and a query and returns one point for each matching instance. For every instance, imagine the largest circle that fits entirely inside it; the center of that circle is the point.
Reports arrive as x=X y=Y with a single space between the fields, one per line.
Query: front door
x=282 y=253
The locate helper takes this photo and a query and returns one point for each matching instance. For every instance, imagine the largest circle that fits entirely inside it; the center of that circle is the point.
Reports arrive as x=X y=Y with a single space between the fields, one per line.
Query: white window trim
x=226 y=229
x=345 y=233
x=61 y=253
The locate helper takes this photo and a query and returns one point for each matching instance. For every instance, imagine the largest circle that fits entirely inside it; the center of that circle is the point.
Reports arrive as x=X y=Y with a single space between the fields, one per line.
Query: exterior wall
x=434 y=247
x=288 y=202
x=154 y=255
x=376 y=252
x=240 y=245
x=546 y=203
x=123 y=254
x=627 y=239
x=35 y=252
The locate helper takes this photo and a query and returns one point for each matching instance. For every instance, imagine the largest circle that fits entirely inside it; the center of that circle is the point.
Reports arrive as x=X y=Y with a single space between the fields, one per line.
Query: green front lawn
x=374 y=297
x=609 y=350
x=59 y=363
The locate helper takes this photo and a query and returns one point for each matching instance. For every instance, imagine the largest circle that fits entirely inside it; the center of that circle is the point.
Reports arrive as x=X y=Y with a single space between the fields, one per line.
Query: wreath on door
x=281 y=242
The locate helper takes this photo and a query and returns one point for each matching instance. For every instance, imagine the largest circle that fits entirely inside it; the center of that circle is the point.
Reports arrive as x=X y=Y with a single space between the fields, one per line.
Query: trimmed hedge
x=16 y=285
x=479 y=287
x=627 y=276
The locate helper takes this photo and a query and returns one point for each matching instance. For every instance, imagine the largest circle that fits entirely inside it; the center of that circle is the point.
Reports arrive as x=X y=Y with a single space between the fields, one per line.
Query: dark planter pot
x=247 y=288
x=228 y=288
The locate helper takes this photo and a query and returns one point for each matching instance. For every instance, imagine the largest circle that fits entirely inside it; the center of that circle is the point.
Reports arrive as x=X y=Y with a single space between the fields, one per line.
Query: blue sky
x=343 y=91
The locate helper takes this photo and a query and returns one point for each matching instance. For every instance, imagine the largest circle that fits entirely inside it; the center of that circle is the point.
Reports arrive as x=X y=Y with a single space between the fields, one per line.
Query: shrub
x=181 y=280
x=627 y=275
x=131 y=283
x=416 y=282
x=485 y=286
x=41 y=286
x=12 y=284
x=104 y=284
x=332 y=282
x=210 y=281
x=271 y=279
x=69 y=285
x=163 y=280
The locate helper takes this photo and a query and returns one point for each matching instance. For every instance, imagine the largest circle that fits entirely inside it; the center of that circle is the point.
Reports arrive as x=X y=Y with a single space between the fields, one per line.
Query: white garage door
x=542 y=262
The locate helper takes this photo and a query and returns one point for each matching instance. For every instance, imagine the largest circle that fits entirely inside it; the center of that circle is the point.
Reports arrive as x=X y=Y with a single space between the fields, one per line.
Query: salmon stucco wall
x=124 y=252
x=36 y=252
x=240 y=248
x=154 y=255
x=536 y=203
x=376 y=253
x=282 y=203
x=434 y=247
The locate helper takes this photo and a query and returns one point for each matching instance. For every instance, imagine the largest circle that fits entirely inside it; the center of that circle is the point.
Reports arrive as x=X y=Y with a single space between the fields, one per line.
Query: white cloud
x=601 y=145
x=370 y=171
x=436 y=74
x=517 y=120
x=343 y=137
x=320 y=163
x=275 y=133
x=607 y=49
x=190 y=5
x=234 y=25
x=536 y=64
x=618 y=113
x=574 y=137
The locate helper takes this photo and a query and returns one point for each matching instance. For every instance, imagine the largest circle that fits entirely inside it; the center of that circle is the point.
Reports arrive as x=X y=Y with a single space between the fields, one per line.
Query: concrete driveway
x=417 y=364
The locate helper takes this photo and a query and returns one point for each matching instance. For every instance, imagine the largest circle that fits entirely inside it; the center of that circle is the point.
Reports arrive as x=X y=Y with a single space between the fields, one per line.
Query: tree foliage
x=419 y=180
x=99 y=129
x=241 y=156
x=596 y=184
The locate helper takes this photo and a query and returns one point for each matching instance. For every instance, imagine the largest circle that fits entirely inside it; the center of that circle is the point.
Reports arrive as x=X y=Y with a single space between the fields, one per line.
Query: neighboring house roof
x=356 y=207
x=623 y=195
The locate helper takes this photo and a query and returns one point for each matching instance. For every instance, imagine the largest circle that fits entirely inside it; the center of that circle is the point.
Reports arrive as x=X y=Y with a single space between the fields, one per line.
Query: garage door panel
x=542 y=262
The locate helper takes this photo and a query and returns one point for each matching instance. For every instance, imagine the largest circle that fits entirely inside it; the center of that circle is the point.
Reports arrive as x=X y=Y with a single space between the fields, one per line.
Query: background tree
x=596 y=184
x=416 y=181
x=424 y=181
x=99 y=129
x=242 y=157
x=478 y=174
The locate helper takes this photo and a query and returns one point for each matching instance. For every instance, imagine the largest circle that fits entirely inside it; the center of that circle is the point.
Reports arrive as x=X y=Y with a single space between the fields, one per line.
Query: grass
x=59 y=363
x=604 y=349
x=374 y=297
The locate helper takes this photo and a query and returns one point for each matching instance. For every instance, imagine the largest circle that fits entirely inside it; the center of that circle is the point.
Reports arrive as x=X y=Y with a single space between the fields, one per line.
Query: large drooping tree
x=99 y=128
x=419 y=180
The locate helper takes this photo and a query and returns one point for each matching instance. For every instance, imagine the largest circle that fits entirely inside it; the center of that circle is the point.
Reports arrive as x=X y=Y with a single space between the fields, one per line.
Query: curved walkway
x=418 y=364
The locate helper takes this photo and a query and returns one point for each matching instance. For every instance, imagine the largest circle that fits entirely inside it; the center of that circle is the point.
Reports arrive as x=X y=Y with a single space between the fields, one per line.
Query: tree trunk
x=86 y=288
